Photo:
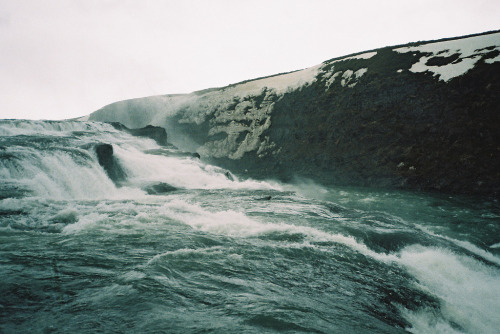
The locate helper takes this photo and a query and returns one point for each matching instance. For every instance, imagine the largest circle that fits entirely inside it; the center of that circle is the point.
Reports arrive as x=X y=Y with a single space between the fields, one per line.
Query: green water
x=79 y=254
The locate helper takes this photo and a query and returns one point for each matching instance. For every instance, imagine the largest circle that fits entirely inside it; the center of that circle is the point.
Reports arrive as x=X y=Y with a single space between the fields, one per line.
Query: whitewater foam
x=70 y=169
x=465 y=245
x=57 y=174
x=69 y=193
x=186 y=253
x=53 y=128
x=467 y=289
x=237 y=224
x=186 y=173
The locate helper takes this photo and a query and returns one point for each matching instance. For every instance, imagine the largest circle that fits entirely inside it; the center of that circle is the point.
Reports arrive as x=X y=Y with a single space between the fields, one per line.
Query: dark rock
x=265 y=198
x=104 y=154
x=10 y=212
x=154 y=132
x=118 y=126
x=160 y=188
x=173 y=153
x=441 y=61
x=108 y=162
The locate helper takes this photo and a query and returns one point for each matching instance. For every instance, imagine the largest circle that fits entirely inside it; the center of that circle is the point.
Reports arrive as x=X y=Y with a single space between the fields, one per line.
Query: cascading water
x=174 y=245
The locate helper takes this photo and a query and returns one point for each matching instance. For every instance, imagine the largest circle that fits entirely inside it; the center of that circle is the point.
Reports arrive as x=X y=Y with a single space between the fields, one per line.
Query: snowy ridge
x=463 y=54
x=279 y=83
x=226 y=97
x=231 y=121
x=234 y=112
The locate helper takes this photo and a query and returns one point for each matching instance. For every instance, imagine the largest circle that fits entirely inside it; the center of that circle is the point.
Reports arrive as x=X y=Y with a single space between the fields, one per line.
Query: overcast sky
x=67 y=58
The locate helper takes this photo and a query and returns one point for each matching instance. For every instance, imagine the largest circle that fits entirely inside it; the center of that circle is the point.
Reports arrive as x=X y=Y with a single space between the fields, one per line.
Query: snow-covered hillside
x=453 y=58
x=263 y=118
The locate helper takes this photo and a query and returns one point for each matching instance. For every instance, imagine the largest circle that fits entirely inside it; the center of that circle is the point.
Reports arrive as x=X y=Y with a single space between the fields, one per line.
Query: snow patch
x=469 y=50
x=332 y=78
x=347 y=78
x=279 y=83
x=446 y=72
x=350 y=78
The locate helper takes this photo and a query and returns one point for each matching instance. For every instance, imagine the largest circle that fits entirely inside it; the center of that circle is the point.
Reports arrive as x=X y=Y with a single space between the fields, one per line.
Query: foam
x=54 y=128
x=85 y=223
x=186 y=252
x=467 y=289
x=187 y=173
x=427 y=321
x=57 y=175
x=465 y=245
x=237 y=224
x=67 y=215
x=65 y=171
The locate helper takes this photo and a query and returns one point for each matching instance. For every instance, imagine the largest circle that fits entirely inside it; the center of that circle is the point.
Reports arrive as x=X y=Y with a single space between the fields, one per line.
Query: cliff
x=421 y=116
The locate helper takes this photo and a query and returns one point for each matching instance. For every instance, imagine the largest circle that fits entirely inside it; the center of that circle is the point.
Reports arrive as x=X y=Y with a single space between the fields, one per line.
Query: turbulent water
x=179 y=246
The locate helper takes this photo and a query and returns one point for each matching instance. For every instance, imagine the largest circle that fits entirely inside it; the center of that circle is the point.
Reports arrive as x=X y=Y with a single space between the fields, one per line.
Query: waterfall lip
x=99 y=160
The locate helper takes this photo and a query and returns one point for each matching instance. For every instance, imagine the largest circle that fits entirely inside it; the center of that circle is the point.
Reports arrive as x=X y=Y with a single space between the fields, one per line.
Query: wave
x=29 y=127
x=53 y=160
x=466 y=288
x=52 y=170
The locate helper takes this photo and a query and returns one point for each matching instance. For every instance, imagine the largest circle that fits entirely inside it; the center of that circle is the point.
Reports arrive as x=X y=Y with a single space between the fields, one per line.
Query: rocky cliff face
x=423 y=115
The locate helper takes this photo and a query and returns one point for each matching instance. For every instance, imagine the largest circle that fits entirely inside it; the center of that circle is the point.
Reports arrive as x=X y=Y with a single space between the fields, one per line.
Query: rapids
x=207 y=252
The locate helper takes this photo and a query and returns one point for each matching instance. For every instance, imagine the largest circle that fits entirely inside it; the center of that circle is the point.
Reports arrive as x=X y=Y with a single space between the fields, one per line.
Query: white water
x=64 y=173
x=67 y=177
x=468 y=291
x=187 y=173
x=53 y=128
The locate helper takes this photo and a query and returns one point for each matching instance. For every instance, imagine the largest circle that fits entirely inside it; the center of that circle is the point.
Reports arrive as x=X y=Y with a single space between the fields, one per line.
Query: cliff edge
x=420 y=116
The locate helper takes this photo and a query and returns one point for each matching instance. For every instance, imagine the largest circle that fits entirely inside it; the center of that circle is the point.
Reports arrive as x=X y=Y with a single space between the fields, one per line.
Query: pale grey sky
x=66 y=58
